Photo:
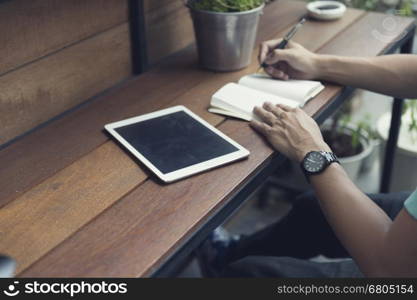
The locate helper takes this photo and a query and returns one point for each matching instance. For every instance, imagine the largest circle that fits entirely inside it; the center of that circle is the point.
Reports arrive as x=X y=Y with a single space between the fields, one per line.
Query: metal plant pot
x=225 y=41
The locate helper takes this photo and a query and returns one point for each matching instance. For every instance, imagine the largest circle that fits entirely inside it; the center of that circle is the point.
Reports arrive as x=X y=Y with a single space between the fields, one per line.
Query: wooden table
x=74 y=204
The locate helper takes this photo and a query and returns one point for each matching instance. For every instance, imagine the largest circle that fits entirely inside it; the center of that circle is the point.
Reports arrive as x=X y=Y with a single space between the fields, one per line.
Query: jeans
x=283 y=249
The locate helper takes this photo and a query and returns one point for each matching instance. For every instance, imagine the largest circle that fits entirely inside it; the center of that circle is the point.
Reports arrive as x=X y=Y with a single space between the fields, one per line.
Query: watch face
x=314 y=162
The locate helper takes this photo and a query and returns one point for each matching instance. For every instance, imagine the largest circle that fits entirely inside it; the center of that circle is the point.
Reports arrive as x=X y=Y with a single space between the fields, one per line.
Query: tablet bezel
x=187 y=171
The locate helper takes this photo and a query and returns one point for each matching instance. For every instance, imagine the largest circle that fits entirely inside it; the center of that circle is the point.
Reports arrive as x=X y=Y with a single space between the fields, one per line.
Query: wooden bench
x=75 y=205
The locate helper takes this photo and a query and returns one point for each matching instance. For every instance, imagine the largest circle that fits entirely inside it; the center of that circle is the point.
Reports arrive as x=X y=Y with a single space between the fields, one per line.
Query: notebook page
x=298 y=90
x=241 y=100
x=228 y=113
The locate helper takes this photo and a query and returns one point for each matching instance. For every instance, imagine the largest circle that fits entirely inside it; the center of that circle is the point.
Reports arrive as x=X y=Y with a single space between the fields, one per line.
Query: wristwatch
x=315 y=162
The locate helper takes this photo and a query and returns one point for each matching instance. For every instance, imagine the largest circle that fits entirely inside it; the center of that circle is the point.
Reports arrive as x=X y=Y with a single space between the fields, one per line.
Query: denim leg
x=288 y=267
x=305 y=232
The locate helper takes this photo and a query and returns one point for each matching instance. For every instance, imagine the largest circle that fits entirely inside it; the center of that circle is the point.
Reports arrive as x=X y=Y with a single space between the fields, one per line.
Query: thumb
x=277 y=56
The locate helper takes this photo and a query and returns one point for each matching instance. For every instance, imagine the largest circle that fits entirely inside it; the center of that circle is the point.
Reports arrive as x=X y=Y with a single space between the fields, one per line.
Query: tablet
x=175 y=143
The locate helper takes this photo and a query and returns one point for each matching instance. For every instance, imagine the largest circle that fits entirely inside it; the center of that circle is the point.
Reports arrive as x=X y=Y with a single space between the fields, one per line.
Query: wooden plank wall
x=169 y=28
x=56 y=54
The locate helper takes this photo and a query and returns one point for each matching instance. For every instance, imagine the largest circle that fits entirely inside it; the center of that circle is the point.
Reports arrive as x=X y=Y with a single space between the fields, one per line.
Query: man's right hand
x=293 y=62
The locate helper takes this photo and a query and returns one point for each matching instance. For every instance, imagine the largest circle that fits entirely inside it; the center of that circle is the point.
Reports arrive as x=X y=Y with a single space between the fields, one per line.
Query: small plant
x=363 y=4
x=406 y=8
x=225 y=5
x=360 y=128
x=411 y=107
x=366 y=126
x=401 y=7
x=344 y=135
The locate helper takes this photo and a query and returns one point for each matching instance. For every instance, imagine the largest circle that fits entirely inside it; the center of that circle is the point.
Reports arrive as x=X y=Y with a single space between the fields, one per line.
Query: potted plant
x=374 y=141
x=350 y=141
x=225 y=31
x=403 y=6
x=404 y=175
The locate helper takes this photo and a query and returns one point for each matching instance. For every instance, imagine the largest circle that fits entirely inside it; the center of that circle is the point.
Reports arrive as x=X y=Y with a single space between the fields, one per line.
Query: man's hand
x=289 y=130
x=293 y=62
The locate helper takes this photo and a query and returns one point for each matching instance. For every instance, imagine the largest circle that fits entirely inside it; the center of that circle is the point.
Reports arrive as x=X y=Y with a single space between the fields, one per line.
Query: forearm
x=358 y=222
x=373 y=240
x=394 y=75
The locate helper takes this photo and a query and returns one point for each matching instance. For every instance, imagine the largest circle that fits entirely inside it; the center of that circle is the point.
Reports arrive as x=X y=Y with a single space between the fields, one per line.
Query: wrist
x=324 y=65
x=301 y=153
x=330 y=170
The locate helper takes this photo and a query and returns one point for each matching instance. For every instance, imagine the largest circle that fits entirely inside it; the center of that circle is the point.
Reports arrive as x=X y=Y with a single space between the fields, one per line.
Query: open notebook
x=239 y=100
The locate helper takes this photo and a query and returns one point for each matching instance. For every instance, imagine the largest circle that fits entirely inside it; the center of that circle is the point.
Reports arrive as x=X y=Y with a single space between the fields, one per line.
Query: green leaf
x=225 y=5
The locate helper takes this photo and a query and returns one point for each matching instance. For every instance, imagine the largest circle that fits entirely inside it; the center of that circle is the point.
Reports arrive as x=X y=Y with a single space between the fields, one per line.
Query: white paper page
x=228 y=113
x=242 y=100
x=298 y=90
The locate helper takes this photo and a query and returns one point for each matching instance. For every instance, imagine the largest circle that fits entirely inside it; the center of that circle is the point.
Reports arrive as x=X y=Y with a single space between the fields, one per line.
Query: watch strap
x=330 y=158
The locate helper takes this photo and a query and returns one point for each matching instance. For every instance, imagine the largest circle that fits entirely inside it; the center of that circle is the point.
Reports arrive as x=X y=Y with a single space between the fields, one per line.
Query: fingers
x=277 y=56
x=273 y=114
x=285 y=107
x=276 y=111
x=291 y=44
x=276 y=73
x=266 y=47
x=261 y=127
x=266 y=130
x=273 y=118
x=266 y=116
x=276 y=60
x=263 y=52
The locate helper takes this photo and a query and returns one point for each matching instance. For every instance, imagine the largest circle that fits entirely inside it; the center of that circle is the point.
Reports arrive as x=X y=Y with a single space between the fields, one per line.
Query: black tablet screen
x=175 y=141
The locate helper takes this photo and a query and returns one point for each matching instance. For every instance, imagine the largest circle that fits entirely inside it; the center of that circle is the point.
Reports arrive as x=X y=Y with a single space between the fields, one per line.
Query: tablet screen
x=175 y=141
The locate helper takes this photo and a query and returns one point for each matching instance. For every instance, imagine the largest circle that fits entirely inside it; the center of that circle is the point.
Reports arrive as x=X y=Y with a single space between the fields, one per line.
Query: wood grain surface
x=150 y=219
x=33 y=29
x=71 y=198
x=368 y=36
x=45 y=152
x=169 y=28
x=41 y=90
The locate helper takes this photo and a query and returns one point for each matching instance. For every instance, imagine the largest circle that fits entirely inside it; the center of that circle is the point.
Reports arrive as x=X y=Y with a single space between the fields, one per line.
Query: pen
x=285 y=40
